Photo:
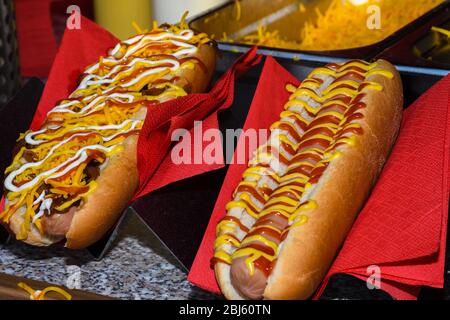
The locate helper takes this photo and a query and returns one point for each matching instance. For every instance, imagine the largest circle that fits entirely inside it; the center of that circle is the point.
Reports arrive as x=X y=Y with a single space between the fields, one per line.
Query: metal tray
x=282 y=15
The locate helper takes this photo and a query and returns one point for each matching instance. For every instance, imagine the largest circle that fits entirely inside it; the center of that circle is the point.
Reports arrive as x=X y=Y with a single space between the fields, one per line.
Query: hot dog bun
x=177 y=73
x=329 y=205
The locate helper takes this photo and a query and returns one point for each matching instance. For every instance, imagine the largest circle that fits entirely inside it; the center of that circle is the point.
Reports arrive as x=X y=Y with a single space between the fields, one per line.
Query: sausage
x=58 y=224
x=251 y=286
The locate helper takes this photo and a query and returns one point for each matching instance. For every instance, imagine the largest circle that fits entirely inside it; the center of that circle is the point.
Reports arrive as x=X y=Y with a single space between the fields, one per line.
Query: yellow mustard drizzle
x=94 y=121
x=295 y=211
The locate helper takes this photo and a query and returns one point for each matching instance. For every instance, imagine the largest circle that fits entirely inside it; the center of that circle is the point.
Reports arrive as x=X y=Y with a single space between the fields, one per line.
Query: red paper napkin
x=80 y=48
x=181 y=113
x=39 y=26
x=403 y=225
x=37 y=42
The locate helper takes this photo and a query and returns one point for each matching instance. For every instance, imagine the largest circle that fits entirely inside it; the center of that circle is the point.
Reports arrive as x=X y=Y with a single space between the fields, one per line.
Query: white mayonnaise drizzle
x=116 y=96
x=94 y=67
x=87 y=80
x=142 y=75
x=40 y=198
x=71 y=163
x=10 y=178
x=184 y=35
x=192 y=48
x=46 y=205
x=29 y=137
x=119 y=126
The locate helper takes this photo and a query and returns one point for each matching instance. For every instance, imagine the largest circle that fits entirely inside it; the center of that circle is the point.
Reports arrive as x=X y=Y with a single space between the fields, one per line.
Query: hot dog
x=70 y=180
x=302 y=191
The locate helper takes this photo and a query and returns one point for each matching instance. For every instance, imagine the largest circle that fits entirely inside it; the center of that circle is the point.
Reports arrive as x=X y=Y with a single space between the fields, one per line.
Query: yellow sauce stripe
x=253 y=255
x=291 y=113
x=285 y=139
x=333 y=86
x=284 y=199
x=318 y=136
x=310 y=205
x=240 y=204
x=332 y=126
x=300 y=103
x=328 y=157
x=258 y=170
x=312 y=150
x=297 y=176
x=226 y=226
x=351 y=141
x=222 y=255
x=300 y=220
x=262 y=239
x=373 y=86
x=320 y=99
x=292 y=188
x=225 y=239
x=265 y=226
x=275 y=125
x=382 y=72
x=336 y=114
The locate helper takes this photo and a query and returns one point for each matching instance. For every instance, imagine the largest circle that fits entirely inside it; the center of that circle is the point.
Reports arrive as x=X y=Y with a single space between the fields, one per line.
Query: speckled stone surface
x=136 y=267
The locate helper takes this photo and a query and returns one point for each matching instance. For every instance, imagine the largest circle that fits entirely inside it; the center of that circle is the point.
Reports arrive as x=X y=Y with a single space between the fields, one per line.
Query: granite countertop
x=137 y=267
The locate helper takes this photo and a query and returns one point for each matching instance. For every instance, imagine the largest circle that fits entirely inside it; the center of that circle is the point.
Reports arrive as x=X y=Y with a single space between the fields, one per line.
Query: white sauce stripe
x=10 y=178
x=91 y=128
x=73 y=162
x=45 y=206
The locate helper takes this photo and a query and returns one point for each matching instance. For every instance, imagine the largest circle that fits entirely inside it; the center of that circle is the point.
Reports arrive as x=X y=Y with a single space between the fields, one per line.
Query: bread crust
x=119 y=178
x=309 y=249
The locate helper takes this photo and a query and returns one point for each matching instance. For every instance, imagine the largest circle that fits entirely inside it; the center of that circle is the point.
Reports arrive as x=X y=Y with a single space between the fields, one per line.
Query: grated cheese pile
x=343 y=25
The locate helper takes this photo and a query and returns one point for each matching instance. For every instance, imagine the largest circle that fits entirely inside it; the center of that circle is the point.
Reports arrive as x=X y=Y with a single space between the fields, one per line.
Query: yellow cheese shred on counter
x=40 y=294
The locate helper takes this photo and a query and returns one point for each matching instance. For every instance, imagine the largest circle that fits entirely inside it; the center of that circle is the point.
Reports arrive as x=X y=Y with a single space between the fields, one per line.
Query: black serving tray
x=179 y=213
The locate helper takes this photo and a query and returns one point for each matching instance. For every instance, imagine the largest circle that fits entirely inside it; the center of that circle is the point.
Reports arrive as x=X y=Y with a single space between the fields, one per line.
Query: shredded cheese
x=442 y=31
x=237 y=5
